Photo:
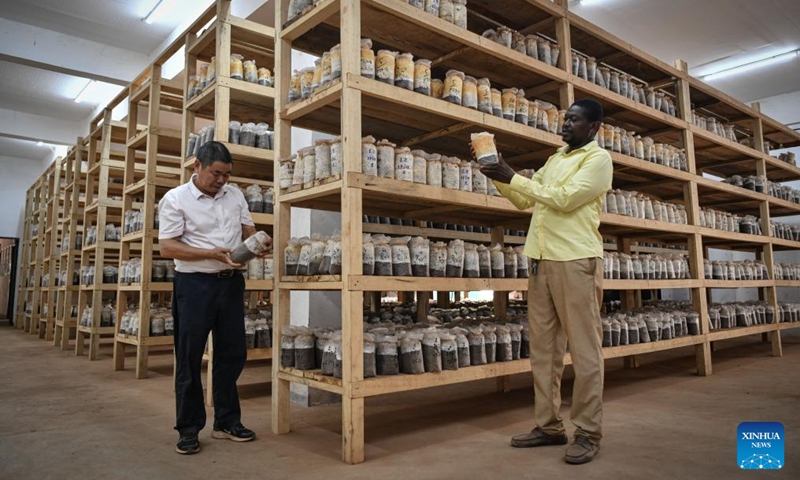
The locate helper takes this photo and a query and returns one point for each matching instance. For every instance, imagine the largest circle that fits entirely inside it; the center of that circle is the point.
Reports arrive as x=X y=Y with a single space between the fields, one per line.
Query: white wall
x=18 y=175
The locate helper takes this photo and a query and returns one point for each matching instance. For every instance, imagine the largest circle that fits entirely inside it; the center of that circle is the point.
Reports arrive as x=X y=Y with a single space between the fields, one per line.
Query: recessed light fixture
x=85 y=91
x=154 y=13
x=764 y=62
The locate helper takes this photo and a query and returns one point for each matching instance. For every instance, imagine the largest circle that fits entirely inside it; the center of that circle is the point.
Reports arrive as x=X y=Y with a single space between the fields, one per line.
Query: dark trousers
x=203 y=303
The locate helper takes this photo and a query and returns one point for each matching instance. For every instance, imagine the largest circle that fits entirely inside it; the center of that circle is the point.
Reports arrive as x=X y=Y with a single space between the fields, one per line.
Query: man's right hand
x=223 y=255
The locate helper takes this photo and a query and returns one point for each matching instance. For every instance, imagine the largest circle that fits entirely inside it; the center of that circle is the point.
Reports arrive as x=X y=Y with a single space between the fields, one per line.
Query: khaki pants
x=564 y=304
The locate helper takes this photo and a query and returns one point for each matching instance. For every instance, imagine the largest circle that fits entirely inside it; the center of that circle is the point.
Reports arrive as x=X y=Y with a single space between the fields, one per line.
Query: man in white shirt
x=201 y=222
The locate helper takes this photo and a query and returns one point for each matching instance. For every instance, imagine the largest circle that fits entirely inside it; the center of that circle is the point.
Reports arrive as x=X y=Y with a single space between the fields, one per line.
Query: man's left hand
x=500 y=172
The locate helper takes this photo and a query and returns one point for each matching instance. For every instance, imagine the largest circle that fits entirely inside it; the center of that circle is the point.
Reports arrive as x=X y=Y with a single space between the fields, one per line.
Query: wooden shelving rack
x=69 y=258
x=22 y=290
x=52 y=242
x=104 y=183
x=224 y=100
x=152 y=166
x=37 y=253
x=358 y=106
x=26 y=273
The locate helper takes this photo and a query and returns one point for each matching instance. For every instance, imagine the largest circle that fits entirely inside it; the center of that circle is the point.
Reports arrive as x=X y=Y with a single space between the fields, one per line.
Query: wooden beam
x=435 y=62
x=456 y=127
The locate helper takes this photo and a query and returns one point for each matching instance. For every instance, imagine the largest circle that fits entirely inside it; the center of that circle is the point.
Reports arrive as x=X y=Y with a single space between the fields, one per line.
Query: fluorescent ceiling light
x=155 y=12
x=764 y=62
x=85 y=91
x=589 y=2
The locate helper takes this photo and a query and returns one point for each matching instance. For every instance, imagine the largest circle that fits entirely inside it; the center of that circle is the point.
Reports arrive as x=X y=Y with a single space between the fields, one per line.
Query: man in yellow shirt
x=565 y=285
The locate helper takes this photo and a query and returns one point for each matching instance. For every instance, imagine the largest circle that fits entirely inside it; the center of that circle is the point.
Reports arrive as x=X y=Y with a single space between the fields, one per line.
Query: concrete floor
x=66 y=417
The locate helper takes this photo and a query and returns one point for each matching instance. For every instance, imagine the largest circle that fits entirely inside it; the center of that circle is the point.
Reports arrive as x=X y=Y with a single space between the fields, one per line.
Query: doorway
x=8 y=277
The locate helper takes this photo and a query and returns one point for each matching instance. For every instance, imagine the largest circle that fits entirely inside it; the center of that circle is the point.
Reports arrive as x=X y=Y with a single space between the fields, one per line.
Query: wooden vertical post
x=766 y=222
x=564 y=39
x=352 y=301
x=283 y=147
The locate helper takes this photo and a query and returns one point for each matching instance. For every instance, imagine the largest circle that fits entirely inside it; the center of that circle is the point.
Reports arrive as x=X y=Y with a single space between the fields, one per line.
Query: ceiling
x=711 y=35
x=708 y=34
x=112 y=22
x=13 y=147
x=41 y=92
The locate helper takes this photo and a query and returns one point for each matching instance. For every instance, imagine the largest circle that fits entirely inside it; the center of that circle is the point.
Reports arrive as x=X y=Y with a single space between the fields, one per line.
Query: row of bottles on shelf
x=740 y=270
x=621 y=83
x=729 y=222
x=749 y=270
x=392 y=348
x=788 y=157
x=257 y=135
x=383 y=159
x=760 y=184
x=260 y=268
x=654 y=322
x=113 y=234
x=241 y=69
x=407 y=256
x=639 y=205
x=453 y=11
x=535 y=46
x=108 y=315
x=134 y=220
x=621 y=266
x=715 y=126
x=161 y=321
x=733 y=315
x=129 y=272
x=259 y=200
x=258 y=327
x=785 y=231
x=787 y=271
x=110 y=275
x=65 y=241
x=61 y=278
x=440 y=225
x=628 y=143
x=458 y=88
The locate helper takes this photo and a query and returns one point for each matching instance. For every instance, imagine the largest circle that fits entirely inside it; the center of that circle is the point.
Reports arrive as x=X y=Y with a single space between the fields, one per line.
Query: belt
x=225 y=273
x=221 y=274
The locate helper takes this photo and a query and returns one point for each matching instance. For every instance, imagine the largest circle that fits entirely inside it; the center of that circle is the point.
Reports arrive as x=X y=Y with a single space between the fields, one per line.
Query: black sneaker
x=237 y=433
x=188 y=444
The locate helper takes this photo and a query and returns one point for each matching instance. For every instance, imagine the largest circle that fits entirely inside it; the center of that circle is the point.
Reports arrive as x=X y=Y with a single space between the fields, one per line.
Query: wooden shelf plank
x=312 y=379
x=263 y=218
x=650 y=284
x=738 y=283
x=317 y=282
x=741 y=332
x=307 y=22
x=259 y=285
x=429 y=284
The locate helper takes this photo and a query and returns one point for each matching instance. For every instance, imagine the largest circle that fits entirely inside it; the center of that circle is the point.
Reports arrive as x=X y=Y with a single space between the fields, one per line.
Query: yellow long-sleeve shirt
x=567 y=197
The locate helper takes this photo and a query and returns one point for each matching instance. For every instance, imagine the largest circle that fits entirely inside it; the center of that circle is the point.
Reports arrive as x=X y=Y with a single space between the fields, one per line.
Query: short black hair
x=592 y=109
x=211 y=152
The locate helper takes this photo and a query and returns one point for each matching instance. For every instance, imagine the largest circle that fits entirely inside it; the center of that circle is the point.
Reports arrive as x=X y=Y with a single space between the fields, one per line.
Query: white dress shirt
x=201 y=221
